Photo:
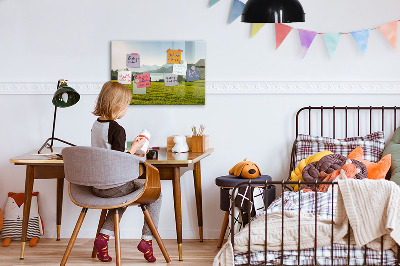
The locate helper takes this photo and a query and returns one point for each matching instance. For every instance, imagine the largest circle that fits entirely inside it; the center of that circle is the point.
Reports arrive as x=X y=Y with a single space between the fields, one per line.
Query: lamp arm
x=54 y=126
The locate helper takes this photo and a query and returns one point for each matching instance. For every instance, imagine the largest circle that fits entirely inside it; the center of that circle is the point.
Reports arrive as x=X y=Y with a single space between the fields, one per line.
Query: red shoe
x=101 y=245
x=146 y=247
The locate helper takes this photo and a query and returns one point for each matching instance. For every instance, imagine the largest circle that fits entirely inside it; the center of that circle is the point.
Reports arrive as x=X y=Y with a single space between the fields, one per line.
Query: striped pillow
x=372 y=145
x=13 y=228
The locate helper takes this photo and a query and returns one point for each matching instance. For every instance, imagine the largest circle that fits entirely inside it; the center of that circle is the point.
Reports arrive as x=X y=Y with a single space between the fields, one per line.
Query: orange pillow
x=375 y=170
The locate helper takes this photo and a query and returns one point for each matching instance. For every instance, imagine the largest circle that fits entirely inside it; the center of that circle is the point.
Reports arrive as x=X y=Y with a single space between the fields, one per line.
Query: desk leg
x=199 y=204
x=27 y=206
x=176 y=182
x=60 y=190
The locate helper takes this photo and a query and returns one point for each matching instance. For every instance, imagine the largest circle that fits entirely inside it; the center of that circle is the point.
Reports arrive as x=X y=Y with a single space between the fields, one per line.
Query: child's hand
x=142 y=155
x=137 y=144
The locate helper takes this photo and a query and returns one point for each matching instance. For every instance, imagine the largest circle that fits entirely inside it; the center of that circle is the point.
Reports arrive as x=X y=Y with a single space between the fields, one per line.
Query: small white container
x=144 y=134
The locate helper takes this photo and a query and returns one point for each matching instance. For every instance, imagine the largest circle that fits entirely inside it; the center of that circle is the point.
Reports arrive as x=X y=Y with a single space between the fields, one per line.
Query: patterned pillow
x=372 y=144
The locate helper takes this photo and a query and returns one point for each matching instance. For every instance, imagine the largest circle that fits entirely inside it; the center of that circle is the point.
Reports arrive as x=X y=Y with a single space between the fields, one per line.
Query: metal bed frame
x=283 y=184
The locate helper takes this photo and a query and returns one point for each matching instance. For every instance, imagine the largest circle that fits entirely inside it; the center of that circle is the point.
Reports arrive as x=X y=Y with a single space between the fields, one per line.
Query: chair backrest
x=92 y=166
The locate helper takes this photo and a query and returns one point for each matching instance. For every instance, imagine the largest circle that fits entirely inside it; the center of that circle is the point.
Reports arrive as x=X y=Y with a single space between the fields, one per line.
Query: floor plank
x=49 y=252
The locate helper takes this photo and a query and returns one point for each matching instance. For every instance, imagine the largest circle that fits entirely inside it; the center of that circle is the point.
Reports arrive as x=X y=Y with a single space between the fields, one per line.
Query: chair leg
x=117 y=239
x=101 y=222
x=154 y=230
x=223 y=229
x=73 y=237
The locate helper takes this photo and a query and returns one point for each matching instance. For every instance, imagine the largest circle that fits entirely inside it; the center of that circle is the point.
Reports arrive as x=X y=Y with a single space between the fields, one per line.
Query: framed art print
x=161 y=72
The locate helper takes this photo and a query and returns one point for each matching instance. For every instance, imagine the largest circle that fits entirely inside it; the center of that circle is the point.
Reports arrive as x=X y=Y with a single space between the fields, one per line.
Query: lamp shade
x=273 y=11
x=65 y=96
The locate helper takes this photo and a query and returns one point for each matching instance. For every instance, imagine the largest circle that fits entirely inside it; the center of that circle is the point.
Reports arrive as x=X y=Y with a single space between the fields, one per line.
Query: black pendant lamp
x=273 y=11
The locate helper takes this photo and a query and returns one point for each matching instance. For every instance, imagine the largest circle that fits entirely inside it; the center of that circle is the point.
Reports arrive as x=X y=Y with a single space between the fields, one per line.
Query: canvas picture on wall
x=161 y=72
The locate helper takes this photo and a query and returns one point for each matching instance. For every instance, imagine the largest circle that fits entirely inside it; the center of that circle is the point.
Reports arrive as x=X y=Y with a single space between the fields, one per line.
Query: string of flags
x=361 y=37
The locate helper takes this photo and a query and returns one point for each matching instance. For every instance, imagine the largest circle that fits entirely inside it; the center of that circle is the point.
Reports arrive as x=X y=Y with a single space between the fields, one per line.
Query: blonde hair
x=112 y=99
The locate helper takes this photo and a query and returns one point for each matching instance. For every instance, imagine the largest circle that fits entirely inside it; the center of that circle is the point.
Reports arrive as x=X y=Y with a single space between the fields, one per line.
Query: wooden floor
x=50 y=252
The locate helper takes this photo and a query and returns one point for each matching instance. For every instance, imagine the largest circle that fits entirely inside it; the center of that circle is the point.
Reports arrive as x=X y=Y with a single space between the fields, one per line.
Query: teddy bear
x=180 y=144
x=245 y=169
x=13 y=215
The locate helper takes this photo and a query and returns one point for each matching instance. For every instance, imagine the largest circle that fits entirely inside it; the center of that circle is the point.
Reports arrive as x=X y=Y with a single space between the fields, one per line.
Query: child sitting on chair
x=112 y=103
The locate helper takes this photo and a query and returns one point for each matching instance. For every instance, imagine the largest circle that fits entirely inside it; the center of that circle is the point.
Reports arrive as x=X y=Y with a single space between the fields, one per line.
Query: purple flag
x=306 y=39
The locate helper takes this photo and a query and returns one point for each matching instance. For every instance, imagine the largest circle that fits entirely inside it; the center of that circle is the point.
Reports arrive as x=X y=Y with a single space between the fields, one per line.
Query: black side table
x=226 y=183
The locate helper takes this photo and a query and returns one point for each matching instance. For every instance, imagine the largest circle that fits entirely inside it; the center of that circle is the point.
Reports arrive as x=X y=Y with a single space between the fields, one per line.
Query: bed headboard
x=344 y=121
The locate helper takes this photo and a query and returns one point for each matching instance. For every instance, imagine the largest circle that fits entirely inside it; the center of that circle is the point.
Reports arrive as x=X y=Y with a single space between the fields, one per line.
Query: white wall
x=43 y=41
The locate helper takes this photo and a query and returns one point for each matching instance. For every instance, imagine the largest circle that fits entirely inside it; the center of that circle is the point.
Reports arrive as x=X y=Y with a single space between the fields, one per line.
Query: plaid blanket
x=323 y=205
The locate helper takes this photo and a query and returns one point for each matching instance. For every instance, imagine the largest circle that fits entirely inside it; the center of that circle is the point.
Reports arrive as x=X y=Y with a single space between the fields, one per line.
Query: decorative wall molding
x=233 y=87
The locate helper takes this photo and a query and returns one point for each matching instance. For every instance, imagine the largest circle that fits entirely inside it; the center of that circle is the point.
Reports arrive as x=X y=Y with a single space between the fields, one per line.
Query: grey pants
x=154 y=208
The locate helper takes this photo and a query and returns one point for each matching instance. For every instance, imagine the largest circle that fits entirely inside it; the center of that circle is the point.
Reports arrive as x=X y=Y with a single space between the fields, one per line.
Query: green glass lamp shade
x=273 y=11
x=65 y=96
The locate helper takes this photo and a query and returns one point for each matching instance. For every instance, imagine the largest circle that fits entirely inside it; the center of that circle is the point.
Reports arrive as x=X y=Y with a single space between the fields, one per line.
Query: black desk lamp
x=273 y=11
x=65 y=96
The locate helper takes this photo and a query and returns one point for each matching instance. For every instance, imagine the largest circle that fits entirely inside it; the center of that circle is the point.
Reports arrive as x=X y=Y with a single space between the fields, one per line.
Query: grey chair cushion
x=99 y=167
x=83 y=196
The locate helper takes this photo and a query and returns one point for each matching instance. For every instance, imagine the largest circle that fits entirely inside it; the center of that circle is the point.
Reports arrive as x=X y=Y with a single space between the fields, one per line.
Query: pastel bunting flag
x=237 y=9
x=213 y=2
x=306 y=39
x=332 y=41
x=281 y=31
x=256 y=27
x=389 y=30
x=361 y=37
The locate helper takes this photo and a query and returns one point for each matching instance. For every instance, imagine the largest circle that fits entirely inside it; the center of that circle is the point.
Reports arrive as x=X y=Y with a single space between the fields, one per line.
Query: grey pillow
x=393 y=148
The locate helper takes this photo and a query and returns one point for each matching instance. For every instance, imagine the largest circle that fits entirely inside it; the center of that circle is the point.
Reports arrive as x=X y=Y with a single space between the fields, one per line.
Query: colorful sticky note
x=171 y=80
x=133 y=60
x=143 y=80
x=174 y=56
x=192 y=74
x=125 y=77
x=179 y=69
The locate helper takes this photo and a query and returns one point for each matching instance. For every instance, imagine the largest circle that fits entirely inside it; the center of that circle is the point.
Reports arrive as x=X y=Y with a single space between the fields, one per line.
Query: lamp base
x=50 y=146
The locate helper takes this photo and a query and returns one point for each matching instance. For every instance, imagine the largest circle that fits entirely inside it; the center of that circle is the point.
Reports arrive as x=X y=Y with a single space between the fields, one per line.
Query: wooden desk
x=171 y=167
x=40 y=167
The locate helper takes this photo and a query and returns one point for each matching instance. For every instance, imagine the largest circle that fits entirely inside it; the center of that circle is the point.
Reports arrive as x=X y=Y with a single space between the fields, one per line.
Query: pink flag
x=389 y=30
x=306 y=39
x=281 y=31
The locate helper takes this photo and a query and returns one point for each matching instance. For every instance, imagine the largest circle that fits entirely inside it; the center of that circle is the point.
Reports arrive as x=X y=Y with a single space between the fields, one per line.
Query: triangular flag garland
x=361 y=37
x=306 y=39
x=213 y=2
x=389 y=30
x=237 y=9
x=256 y=27
x=281 y=31
x=332 y=41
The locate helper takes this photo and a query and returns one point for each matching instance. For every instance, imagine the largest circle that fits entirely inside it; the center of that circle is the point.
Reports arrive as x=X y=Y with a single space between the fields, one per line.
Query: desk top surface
x=164 y=157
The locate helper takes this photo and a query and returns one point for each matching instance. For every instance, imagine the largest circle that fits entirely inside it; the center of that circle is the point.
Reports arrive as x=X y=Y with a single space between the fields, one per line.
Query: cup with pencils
x=199 y=140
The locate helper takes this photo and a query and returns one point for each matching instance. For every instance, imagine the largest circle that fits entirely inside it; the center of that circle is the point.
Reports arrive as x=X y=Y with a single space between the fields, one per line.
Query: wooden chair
x=85 y=167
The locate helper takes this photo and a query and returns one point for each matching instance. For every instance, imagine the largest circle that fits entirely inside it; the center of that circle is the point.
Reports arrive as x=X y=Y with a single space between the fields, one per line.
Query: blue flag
x=361 y=38
x=237 y=9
